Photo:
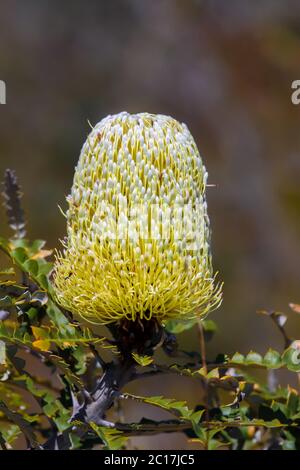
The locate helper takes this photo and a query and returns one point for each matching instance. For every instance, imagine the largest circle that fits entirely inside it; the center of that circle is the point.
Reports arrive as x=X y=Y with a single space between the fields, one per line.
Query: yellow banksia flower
x=138 y=238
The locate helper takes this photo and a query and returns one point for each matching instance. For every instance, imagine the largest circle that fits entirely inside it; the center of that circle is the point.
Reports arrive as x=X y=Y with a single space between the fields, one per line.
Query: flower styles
x=138 y=238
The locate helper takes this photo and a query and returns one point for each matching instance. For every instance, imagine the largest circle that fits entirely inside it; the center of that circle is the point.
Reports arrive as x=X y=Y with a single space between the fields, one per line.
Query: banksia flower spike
x=138 y=241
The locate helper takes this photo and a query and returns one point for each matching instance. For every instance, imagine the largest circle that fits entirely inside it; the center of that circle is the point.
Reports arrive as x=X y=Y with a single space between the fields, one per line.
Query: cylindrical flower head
x=138 y=242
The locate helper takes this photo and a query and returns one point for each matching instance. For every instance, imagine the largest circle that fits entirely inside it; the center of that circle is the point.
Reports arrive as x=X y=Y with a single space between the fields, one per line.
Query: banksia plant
x=136 y=255
x=138 y=241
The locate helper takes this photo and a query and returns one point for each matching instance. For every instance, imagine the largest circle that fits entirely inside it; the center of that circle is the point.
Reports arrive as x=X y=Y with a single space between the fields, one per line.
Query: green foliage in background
x=50 y=405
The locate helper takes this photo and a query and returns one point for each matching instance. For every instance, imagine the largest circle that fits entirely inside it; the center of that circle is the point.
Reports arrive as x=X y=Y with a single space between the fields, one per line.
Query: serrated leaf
x=12 y=202
x=40 y=333
x=289 y=443
x=4 y=314
x=43 y=281
x=293 y=403
x=32 y=313
x=31 y=267
x=213 y=374
x=209 y=325
x=44 y=267
x=19 y=254
x=52 y=407
x=179 y=408
x=295 y=307
x=81 y=360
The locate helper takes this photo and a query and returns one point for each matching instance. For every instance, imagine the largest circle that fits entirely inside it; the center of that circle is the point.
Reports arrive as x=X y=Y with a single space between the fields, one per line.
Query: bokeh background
x=225 y=68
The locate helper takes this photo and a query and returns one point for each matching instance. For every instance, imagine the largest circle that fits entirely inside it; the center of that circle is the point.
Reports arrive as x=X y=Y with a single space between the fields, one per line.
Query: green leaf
x=272 y=359
x=6 y=302
x=81 y=359
x=142 y=360
x=32 y=313
x=112 y=438
x=291 y=358
x=7 y=272
x=2 y=353
x=253 y=358
x=43 y=282
x=293 y=403
x=44 y=267
x=237 y=358
x=36 y=246
x=289 y=443
x=66 y=370
x=52 y=407
x=177 y=326
x=62 y=418
x=179 y=408
x=31 y=267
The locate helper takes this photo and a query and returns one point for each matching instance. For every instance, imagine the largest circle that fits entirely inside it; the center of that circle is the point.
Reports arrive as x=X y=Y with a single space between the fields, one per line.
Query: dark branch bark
x=23 y=425
x=92 y=406
x=2 y=442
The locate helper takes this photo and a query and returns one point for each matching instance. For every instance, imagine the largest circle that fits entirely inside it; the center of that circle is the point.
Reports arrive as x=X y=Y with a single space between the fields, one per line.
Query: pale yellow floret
x=136 y=269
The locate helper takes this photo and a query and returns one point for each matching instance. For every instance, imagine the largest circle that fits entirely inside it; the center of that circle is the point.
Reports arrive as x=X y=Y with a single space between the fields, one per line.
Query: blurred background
x=225 y=69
